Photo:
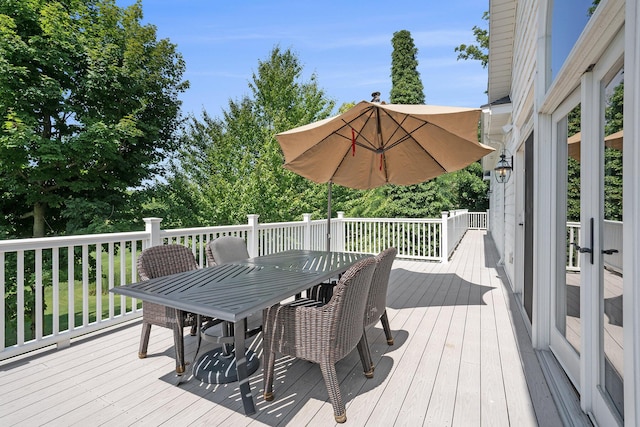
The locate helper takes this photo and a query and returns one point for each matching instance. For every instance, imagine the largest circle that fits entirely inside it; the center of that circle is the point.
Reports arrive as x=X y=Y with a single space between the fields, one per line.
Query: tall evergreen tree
x=461 y=189
x=406 y=86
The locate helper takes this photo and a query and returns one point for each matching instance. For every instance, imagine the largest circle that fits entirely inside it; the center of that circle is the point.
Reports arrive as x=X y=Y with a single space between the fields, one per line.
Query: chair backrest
x=347 y=306
x=163 y=260
x=377 y=300
x=226 y=249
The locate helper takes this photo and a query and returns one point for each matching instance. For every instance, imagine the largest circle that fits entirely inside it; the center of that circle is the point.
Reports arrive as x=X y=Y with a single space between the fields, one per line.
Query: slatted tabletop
x=235 y=291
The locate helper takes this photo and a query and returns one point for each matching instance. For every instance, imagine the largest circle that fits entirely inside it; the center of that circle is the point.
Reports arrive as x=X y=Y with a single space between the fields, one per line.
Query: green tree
x=89 y=107
x=458 y=190
x=614 y=116
x=593 y=7
x=573 y=169
x=479 y=51
x=463 y=189
x=232 y=166
x=406 y=86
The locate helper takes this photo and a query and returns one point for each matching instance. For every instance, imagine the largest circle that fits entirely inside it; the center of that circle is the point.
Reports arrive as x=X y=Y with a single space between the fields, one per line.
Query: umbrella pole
x=329 y=217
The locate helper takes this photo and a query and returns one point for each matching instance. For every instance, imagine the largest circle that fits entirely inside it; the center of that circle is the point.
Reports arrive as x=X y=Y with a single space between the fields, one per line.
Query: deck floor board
x=461 y=357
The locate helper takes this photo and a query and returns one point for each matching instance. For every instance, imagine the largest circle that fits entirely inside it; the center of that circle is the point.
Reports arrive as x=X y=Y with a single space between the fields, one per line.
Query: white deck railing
x=573 y=238
x=613 y=240
x=57 y=288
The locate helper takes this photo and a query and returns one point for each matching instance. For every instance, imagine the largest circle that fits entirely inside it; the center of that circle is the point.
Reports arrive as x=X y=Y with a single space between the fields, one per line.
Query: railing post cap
x=340 y=214
x=152 y=220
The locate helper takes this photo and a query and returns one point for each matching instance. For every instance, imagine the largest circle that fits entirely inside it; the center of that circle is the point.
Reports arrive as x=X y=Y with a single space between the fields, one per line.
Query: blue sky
x=346 y=44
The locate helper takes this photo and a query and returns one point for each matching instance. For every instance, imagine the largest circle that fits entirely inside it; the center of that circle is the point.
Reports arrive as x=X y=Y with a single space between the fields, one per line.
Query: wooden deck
x=461 y=357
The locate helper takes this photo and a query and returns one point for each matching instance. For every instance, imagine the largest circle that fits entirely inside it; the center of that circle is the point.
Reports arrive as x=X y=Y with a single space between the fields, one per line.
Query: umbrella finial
x=375 y=96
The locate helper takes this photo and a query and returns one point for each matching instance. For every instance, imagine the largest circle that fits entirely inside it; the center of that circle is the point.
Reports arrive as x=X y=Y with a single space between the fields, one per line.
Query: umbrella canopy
x=374 y=144
x=612 y=141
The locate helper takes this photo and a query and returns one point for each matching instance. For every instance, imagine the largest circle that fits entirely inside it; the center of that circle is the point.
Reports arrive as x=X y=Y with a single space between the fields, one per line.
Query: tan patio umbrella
x=373 y=144
x=612 y=141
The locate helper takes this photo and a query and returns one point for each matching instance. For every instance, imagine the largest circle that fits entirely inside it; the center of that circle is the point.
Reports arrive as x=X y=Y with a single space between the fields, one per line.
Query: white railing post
x=152 y=226
x=253 y=236
x=306 y=244
x=444 y=237
x=340 y=232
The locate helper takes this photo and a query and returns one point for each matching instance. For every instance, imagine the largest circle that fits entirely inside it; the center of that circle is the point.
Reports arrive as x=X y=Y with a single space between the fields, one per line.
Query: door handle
x=610 y=251
x=589 y=250
x=581 y=249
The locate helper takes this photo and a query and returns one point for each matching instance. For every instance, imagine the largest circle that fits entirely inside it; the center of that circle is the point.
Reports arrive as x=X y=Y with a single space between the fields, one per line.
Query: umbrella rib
x=409 y=136
x=371 y=146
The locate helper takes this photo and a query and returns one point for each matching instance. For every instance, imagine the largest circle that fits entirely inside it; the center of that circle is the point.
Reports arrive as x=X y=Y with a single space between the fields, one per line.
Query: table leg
x=179 y=342
x=199 y=335
x=241 y=366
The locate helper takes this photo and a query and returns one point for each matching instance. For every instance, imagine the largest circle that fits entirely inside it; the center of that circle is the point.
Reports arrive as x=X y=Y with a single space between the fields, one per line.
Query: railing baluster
x=38 y=294
x=2 y=306
x=111 y=278
x=70 y=287
x=20 y=298
x=55 y=276
x=85 y=285
x=98 y=281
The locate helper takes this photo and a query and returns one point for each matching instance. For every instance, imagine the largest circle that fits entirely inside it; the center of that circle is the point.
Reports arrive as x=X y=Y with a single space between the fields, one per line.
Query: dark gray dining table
x=232 y=292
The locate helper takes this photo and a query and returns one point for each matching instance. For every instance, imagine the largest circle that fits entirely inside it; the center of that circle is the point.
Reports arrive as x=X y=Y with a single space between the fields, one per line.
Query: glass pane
x=568 y=293
x=569 y=17
x=612 y=234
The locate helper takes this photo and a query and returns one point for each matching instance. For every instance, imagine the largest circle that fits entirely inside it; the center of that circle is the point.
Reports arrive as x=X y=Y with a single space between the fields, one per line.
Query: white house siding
x=531 y=105
x=524 y=67
x=497 y=215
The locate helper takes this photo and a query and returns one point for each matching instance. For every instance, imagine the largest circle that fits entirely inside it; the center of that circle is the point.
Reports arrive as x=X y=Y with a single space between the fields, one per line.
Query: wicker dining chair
x=376 y=308
x=226 y=249
x=323 y=334
x=158 y=261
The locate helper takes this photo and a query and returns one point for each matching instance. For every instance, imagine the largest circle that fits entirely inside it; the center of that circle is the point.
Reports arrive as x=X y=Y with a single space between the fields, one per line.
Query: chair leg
x=269 y=368
x=333 y=388
x=387 y=329
x=144 y=340
x=365 y=356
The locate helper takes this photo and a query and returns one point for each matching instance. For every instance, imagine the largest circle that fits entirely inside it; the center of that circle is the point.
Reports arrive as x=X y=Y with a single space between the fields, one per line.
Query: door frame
x=593 y=396
x=559 y=346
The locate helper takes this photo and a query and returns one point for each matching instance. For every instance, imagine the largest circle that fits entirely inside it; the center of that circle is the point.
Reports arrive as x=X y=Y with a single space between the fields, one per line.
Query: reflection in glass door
x=568 y=321
x=566 y=331
x=611 y=268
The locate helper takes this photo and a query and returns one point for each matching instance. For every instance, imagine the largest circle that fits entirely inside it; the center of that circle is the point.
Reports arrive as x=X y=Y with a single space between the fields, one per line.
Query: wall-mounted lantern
x=503 y=168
